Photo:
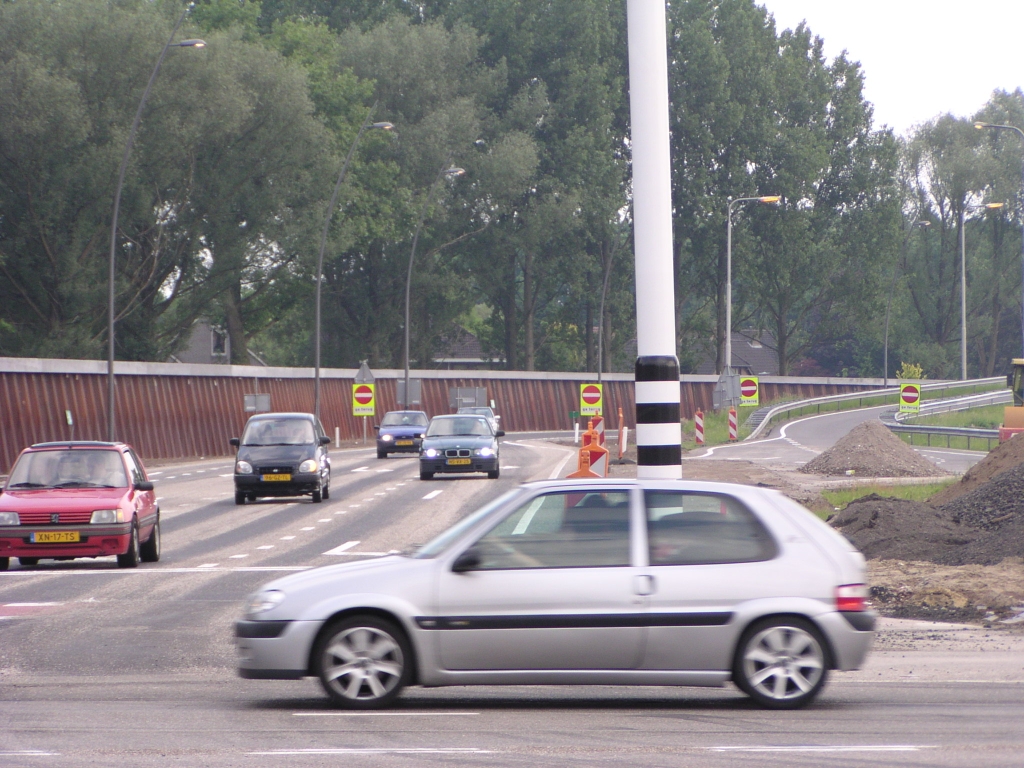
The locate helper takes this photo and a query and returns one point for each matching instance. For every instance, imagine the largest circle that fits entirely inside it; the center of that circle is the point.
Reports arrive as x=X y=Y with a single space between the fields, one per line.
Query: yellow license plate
x=403 y=442
x=55 y=537
x=459 y=461
x=276 y=478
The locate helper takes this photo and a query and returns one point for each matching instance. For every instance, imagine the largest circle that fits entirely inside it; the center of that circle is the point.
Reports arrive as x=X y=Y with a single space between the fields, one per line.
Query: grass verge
x=840 y=497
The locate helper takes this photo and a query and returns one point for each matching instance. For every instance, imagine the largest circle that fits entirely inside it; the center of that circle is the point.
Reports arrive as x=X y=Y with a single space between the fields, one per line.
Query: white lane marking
x=186 y=474
x=266 y=546
x=556 y=470
x=378 y=751
x=836 y=748
x=229 y=474
x=324 y=520
x=400 y=484
x=509 y=466
x=287 y=538
x=29 y=605
x=361 y=469
x=383 y=470
x=205 y=568
x=942 y=452
x=340 y=550
x=237 y=557
x=342 y=512
x=29 y=753
x=308 y=528
x=511 y=442
x=170 y=477
x=152 y=474
x=208 y=565
x=200 y=471
x=366 y=554
x=355 y=505
x=433 y=494
x=382 y=493
x=384 y=714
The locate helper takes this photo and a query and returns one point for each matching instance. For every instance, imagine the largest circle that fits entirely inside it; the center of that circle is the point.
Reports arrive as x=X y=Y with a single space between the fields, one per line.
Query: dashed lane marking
x=384 y=714
x=827 y=748
x=377 y=751
x=229 y=474
x=266 y=546
x=324 y=520
x=342 y=549
x=308 y=528
x=204 y=568
x=208 y=565
x=361 y=469
x=287 y=538
x=237 y=557
x=433 y=494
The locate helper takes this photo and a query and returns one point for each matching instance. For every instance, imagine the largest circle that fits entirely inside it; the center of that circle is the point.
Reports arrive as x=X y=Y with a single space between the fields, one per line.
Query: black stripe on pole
x=657 y=413
x=657 y=368
x=659 y=455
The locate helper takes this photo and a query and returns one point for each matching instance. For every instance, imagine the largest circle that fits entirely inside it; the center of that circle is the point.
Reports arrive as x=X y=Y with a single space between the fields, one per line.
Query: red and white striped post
x=732 y=424
x=698 y=426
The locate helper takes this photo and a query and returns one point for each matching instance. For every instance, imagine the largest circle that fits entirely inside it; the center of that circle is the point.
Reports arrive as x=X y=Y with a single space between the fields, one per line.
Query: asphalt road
x=101 y=666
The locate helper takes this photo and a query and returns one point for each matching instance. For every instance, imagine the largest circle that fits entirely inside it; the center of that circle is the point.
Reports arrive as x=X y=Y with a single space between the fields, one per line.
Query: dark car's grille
x=276 y=469
x=453 y=453
x=64 y=518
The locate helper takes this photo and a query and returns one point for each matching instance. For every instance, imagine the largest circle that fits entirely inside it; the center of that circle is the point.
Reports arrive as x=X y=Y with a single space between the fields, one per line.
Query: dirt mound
x=996 y=511
x=897 y=529
x=1005 y=456
x=871 y=450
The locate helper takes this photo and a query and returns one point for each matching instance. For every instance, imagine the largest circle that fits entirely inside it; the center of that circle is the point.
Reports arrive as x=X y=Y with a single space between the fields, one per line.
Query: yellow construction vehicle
x=1013 y=415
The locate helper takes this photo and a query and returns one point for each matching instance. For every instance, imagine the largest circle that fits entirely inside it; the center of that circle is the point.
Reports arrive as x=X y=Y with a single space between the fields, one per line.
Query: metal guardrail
x=988 y=435
x=786 y=409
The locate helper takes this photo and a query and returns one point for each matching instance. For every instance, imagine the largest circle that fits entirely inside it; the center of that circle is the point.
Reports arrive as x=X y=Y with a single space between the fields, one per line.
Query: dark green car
x=459 y=443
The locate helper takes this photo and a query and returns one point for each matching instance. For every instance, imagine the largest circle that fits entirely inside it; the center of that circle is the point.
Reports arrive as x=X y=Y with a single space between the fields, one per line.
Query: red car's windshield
x=69 y=468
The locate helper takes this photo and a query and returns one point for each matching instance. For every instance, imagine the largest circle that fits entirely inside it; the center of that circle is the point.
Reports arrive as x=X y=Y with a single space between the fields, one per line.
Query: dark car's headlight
x=243 y=468
x=9 y=518
x=309 y=465
x=431 y=453
x=387 y=438
x=104 y=516
x=485 y=451
x=264 y=601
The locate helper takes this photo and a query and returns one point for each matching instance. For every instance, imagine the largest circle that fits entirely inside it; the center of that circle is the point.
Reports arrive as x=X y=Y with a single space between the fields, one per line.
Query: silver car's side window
x=703 y=528
x=561 y=530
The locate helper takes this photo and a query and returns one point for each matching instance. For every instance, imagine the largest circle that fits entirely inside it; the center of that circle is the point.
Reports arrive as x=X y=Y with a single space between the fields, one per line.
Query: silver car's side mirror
x=467 y=561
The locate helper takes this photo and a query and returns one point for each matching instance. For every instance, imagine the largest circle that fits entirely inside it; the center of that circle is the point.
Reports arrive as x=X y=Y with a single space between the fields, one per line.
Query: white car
x=618 y=582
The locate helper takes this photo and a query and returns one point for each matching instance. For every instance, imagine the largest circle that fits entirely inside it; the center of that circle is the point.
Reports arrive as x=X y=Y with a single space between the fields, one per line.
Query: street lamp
x=191 y=43
x=385 y=126
x=888 y=304
x=444 y=172
x=963 y=285
x=979 y=126
x=728 y=269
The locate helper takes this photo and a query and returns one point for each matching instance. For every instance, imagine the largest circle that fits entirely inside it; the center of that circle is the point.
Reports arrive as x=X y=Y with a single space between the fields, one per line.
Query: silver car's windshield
x=470 y=425
x=278 y=432
x=71 y=468
x=437 y=545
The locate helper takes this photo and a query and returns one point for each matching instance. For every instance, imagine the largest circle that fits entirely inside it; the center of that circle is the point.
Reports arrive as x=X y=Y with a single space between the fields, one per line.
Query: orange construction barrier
x=593 y=460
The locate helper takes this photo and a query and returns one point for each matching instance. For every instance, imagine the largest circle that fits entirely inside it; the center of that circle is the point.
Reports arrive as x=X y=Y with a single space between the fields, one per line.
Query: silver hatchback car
x=593 y=582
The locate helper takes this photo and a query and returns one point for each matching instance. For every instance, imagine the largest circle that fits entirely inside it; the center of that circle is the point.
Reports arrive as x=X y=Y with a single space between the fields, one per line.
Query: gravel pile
x=1003 y=457
x=871 y=450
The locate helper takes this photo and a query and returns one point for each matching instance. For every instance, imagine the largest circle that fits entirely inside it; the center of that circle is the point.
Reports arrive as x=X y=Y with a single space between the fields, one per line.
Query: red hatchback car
x=79 y=499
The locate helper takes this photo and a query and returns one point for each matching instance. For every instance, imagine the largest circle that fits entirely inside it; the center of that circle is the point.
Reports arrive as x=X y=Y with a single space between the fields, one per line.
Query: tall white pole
x=963 y=300
x=728 y=288
x=658 y=432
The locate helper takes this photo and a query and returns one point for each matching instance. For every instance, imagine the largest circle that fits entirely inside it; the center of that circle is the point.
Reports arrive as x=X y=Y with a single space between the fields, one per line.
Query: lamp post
x=192 y=43
x=728 y=269
x=979 y=126
x=323 y=243
x=444 y=172
x=888 y=304
x=963 y=285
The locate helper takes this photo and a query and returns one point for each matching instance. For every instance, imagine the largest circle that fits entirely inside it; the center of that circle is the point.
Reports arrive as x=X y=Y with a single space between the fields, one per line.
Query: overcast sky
x=920 y=58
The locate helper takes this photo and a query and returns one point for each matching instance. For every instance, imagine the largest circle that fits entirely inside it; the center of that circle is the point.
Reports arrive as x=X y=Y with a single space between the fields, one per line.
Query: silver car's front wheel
x=362 y=662
x=781 y=663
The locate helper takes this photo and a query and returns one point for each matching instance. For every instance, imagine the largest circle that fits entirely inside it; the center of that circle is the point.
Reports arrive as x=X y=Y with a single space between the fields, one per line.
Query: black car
x=400 y=432
x=459 y=443
x=282 y=454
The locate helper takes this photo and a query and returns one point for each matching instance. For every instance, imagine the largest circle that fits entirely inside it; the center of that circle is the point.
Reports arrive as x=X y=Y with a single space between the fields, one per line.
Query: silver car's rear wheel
x=781 y=663
x=363 y=662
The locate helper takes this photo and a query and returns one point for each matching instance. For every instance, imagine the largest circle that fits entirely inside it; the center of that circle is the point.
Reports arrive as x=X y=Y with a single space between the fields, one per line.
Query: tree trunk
x=528 y=310
x=236 y=329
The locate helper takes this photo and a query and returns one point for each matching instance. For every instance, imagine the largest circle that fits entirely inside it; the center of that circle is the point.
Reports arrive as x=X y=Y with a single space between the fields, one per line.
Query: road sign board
x=910 y=397
x=363 y=399
x=591 y=397
x=749 y=390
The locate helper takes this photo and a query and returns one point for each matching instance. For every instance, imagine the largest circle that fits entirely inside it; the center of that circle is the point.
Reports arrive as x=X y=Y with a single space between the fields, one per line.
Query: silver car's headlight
x=387 y=438
x=104 y=516
x=309 y=465
x=485 y=451
x=430 y=453
x=264 y=601
x=9 y=518
x=243 y=468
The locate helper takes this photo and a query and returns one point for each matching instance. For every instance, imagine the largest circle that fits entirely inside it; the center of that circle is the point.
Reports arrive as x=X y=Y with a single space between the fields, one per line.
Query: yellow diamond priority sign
x=910 y=397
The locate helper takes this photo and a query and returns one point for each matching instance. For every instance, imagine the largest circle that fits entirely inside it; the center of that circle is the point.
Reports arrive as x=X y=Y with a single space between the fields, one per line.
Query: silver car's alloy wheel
x=781 y=664
x=362 y=662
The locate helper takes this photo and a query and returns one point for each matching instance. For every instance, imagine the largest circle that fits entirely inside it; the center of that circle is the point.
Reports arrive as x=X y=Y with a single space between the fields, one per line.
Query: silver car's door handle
x=643 y=585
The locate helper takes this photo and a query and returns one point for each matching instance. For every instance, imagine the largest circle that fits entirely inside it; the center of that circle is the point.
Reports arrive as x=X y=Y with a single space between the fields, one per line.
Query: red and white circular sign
x=590 y=394
x=910 y=393
x=363 y=394
x=748 y=387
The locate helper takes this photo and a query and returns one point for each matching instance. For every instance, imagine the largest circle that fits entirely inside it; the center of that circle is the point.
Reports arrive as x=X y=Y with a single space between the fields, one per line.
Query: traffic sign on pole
x=750 y=390
x=591 y=399
x=910 y=397
x=363 y=399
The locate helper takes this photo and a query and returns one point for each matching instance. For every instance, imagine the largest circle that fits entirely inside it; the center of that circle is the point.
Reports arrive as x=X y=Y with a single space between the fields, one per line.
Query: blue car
x=401 y=432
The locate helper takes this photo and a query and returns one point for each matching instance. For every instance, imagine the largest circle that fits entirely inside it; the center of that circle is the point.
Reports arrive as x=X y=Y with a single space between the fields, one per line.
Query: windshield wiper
x=28 y=485
x=77 y=484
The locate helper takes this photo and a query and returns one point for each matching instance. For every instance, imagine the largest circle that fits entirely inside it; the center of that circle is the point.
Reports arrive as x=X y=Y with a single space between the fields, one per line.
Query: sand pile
x=871 y=450
x=1003 y=457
